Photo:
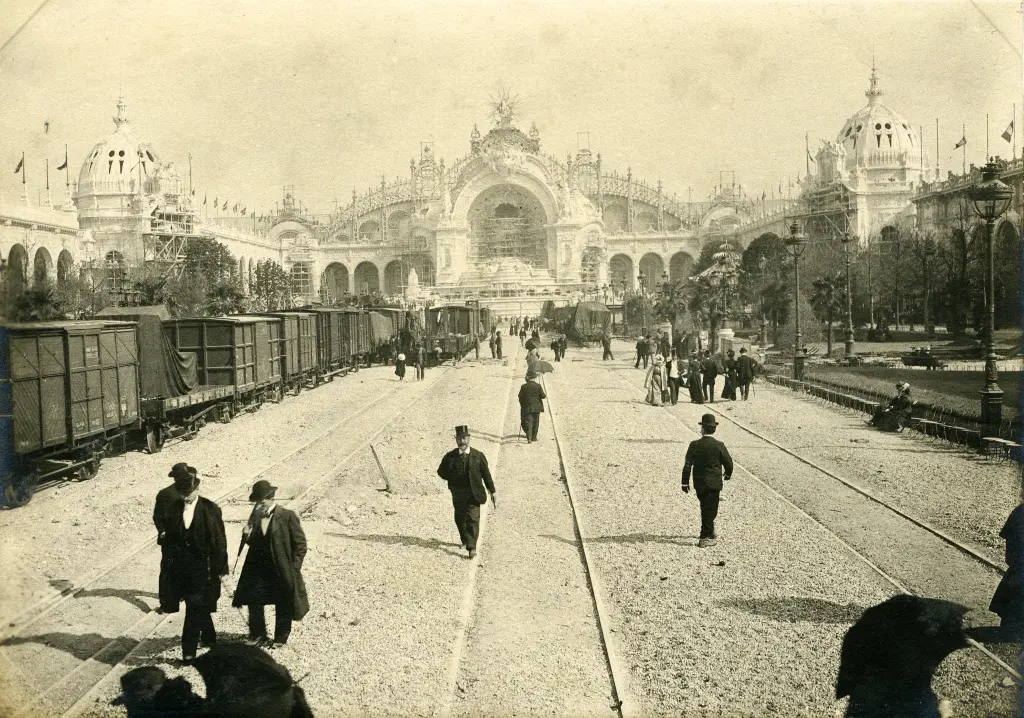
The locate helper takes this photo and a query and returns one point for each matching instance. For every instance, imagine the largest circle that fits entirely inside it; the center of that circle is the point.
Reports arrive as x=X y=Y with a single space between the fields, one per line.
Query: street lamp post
x=762 y=338
x=991 y=198
x=643 y=303
x=848 y=239
x=796 y=242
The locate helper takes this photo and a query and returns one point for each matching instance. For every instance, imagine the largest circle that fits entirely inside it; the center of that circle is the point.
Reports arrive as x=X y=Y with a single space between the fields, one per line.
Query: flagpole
x=964 y=131
x=24 y=174
x=67 y=175
x=49 y=201
x=1013 y=130
x=986 y=137
x=936 y=149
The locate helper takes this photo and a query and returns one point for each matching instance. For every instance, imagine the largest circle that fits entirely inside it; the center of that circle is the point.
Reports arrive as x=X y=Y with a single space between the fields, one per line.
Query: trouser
x=607 y=354
x=708 y=512
x=258 y=623
x=499 y=352
x=530 y=423
x=708 y=388
x=492 y=351
x=198 y=625
x=421 y=370
x=744 y=388
x=558 y=355
x=476 y=348
x=673 y=389
x=467 y=519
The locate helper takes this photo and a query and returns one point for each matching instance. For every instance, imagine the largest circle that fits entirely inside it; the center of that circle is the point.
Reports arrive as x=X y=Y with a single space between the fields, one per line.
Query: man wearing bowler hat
x=706 y=458
x=531 y=405
x=468 y=476
x=272 y=573
x=195 y=557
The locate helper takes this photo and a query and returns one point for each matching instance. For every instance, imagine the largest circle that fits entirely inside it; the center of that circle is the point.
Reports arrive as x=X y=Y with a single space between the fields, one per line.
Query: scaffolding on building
x=826 y=213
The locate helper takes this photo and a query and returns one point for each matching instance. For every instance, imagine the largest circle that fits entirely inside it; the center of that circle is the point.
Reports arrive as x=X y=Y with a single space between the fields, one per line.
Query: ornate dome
x=117 y=163
x=877 y=135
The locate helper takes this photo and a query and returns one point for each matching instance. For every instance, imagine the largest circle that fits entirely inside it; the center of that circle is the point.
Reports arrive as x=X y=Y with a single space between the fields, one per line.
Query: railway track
x=621 y=706
x=977 y=557
x=74 y=685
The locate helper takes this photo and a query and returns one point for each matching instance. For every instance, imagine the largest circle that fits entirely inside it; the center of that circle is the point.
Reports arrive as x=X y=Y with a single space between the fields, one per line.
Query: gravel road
x=758 y=635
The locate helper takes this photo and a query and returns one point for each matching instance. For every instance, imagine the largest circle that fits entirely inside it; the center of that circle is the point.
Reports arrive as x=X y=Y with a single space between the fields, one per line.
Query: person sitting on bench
x=894 y=414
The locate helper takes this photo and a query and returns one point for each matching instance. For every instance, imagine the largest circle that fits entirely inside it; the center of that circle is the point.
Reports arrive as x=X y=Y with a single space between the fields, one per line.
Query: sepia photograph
x=597 y=358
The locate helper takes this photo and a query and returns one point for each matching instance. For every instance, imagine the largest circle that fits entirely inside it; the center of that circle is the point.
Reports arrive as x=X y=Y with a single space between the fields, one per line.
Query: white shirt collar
x=189 y=512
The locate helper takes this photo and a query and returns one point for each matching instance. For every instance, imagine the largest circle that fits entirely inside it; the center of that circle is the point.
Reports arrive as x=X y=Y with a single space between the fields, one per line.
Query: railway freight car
x=297 y=348
x=358 y=336
x=69 y=393
x=453 y=328
x=332 y=356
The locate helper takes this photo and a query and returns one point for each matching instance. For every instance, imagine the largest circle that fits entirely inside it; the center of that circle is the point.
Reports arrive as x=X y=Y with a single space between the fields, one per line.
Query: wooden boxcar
x=232 y=351
x=297 y=348
x=453 y=328
x=68 y=390
x=358 y=335
x=331 y=344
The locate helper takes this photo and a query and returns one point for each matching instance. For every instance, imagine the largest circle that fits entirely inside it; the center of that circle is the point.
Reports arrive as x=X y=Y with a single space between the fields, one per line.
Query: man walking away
x=194 y=542
x=744 y=372
x=606 y=344
x=531 y=405
x=672 y=369
x=490 y=343
x=556 y=348
x=468 y=476
x=420 y=357
x=272 y=573
x=497 y=343
x=709 y=370
x=706 y=458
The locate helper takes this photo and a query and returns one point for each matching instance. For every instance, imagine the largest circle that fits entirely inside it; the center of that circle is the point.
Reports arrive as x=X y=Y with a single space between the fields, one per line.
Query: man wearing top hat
x=531 y=405
x=744 y=372
x=706 y=458
x=469 y=480
x=272 y=573
x=195 y=557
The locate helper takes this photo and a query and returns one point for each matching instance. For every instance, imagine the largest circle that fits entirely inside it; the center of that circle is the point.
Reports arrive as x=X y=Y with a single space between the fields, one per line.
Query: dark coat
x=164 y=498
x=1008 y=600
x=191 y=574
x=709 y=368
x=469 y=479
x=288 y=549
x=745 y=368
x=531 y=398
x=706 y=457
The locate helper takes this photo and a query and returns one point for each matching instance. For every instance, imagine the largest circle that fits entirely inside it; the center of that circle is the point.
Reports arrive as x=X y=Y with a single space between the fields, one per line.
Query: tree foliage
x=270 y=288
x=828 y=300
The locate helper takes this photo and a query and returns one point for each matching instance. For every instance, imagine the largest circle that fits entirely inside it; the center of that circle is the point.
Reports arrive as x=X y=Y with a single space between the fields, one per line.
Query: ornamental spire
x=873 y=93
x=122 y=112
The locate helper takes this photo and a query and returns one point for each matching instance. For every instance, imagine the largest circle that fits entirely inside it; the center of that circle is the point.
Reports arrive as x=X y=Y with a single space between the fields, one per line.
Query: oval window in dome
x=848 y=131
x=121 y=153
x=150 y=156
x=878 y=125
x=888 y=126
x=111 y=153
x=859 y=127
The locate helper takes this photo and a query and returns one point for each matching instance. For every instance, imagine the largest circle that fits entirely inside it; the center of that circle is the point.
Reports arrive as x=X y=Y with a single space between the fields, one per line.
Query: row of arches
x=621 y=269
x=38 y=271
x=366 y=277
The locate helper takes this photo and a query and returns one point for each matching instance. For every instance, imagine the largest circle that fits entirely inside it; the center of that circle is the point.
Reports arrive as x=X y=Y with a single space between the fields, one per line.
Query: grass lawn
x=957 y=390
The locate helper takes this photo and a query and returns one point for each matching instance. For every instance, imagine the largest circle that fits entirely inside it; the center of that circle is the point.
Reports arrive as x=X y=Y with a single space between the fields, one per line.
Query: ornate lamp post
x=796 y=243
x=991 y=198
x=850 y=353
x=643 y=302
x=762 y=339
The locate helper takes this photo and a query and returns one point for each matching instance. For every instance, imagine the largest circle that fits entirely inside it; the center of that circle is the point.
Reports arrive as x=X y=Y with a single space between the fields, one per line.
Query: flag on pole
x=21 y=163
x=204 y=198
x=46 y=127
x=1008 y=132
x=193 y=193
x=243 y=211
x=961 y=143
x=764 y=196
x=235 y=208
x=225 y=205
x=65 y=160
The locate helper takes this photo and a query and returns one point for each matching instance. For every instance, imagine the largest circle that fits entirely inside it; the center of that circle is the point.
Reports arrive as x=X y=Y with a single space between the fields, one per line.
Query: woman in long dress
x=400 y=367
x=656 y=381
x=693 y=379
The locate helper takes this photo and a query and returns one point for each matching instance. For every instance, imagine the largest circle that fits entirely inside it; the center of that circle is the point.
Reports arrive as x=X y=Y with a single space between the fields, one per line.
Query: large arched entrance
x=651 y=266
x=367 y=278
x=336 y=281
x=65 y=268
x=680 y=267
x=41 y=268
x=17 y=269
x=507 y=220
x=394 y=281
x=620 y=269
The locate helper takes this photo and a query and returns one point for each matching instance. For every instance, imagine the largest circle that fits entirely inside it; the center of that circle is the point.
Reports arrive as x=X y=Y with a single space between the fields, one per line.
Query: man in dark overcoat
x=556 y=348
x=272 y=573
x=709 y=372
x=469 y=479
x=706 y=458
x=196 y=562
x=606 y=345
x=641 y=353
x=164 y=498
x=744 y=372
x=497 y=343
x=531 y=405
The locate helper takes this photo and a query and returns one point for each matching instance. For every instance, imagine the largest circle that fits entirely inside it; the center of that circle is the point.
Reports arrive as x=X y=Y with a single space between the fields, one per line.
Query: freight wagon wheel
x=19 y=490
x=154 y=439
x=88 y=470
x=297 y=388
x=225 y=414
x=190 y=432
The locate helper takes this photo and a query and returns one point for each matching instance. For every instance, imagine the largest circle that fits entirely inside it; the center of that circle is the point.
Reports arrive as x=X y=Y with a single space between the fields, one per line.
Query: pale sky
x=328 y=96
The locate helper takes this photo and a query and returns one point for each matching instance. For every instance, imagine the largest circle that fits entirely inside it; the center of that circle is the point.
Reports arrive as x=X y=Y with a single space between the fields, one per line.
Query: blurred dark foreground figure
x=1008 y=601
x=240 y=681
x=891 y=653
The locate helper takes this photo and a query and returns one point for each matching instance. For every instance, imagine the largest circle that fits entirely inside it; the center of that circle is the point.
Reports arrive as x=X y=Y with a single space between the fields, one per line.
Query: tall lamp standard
x=643 y=302
x=762 y=339
x=850 y=353
x=991 y=198
x=796 y=242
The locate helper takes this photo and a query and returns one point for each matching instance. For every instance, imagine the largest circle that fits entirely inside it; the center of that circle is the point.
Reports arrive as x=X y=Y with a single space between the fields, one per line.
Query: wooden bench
x=1003 y=447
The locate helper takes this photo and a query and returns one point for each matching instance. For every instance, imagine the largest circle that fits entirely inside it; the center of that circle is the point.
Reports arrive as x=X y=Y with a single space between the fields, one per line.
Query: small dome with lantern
x=119 y=162
x=878 y=136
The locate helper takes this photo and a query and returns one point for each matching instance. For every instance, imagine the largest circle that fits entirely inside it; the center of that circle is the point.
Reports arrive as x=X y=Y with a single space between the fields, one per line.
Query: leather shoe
x=705 y=542
x=256 y=642
x=472 y=553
